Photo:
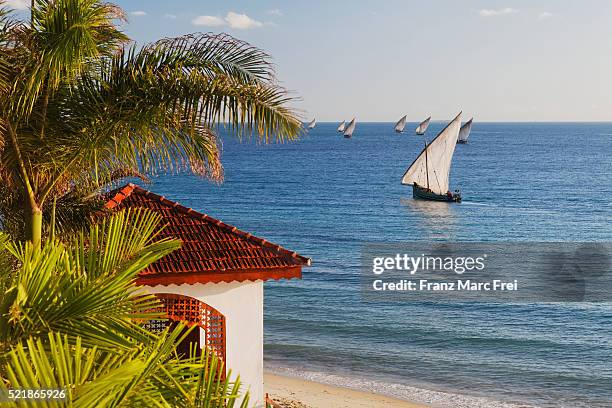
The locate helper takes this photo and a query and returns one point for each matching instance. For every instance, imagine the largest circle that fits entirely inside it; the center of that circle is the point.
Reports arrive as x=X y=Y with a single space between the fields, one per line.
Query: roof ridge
x=120 y=195
x=130 y=188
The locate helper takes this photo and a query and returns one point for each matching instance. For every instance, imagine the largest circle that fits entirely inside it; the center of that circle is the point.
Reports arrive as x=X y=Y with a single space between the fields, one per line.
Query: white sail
x=312 y=124
x=400 y=125
x=348 y=132
x=432 y=167
x=464 y=132
x=422 y=128
x=342 y=126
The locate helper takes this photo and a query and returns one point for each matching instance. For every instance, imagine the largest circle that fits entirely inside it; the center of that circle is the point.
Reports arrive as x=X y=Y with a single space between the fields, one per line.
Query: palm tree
x=80 y=106
x=72 y=318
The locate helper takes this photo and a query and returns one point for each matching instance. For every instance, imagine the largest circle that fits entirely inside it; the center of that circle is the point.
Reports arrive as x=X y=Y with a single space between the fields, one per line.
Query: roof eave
x=192 y=278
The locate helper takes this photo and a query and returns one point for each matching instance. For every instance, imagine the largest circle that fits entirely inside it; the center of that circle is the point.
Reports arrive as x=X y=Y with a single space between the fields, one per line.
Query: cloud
x=544 y=15
x=497 y=12
x=208 y=21
x=275 y=12
x=171 y=16
x=138 y=13
x=231 y=19
x=17 y=4
x=241 y=21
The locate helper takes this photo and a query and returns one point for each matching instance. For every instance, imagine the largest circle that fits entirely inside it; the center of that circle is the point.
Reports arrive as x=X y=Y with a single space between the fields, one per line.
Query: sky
x=506 y=60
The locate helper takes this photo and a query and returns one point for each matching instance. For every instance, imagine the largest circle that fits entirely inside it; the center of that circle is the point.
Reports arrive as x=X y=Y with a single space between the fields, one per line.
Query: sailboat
x=422 y=128
x=464 y=132
x=348 y=132
x=312 y=124
x=342 y=126
x=400 y=125
x=429 y=173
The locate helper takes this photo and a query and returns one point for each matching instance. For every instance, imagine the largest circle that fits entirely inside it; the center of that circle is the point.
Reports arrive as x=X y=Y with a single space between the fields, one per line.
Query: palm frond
x=149 y=376
x=186 y=98
x=212 y=55
x=85 y=288
x=66 y=36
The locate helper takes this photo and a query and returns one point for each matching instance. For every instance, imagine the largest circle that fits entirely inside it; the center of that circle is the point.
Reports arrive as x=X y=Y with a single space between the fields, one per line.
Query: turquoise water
x=325 y=195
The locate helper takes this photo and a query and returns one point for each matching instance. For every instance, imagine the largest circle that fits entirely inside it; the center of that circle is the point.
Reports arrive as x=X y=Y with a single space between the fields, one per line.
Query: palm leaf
x=150 y=376
x=85 y=288
x=185 y=98
x=214 y=54
x=65 y=36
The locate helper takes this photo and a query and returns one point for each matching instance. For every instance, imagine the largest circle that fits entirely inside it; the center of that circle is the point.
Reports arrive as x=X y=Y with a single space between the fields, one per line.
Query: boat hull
x=420 y=133
x=426 y=194
x=347 y=136
x=462 y=141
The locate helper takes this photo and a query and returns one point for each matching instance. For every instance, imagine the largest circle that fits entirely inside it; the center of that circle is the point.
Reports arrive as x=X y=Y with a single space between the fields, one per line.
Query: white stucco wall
x=242 y=305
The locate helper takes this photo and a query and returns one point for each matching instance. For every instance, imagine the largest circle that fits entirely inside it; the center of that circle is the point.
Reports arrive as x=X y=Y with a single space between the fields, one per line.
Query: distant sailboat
x=400 y=125
x=464 y=132
x=422 y=128
x=429 y=174
x=348 y=132
x=342 y=126
x=312 y=124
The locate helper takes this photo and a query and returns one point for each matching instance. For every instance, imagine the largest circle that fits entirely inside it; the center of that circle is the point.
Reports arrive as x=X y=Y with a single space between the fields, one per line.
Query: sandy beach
x=289 y=391
x=304 y=390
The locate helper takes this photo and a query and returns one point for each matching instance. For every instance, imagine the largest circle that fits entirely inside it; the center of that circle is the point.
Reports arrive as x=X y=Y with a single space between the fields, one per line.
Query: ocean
x=324 y=196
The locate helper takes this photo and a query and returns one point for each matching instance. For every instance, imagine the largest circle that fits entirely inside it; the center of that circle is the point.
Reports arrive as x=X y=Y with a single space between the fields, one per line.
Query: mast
x=426 y=165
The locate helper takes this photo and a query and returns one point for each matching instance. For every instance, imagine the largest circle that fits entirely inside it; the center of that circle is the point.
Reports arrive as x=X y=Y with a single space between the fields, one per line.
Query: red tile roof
x=212 y=251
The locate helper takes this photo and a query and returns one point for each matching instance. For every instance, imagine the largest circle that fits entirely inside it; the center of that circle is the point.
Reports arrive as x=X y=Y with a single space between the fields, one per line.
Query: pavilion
x=215 y=281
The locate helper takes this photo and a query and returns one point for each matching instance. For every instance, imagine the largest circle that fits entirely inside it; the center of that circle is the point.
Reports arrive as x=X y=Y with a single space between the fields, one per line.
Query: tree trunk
x=53 y=212
x=34 y=225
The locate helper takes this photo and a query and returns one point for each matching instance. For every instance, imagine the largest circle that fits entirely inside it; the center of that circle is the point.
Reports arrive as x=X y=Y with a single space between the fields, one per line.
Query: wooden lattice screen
x=194 y=312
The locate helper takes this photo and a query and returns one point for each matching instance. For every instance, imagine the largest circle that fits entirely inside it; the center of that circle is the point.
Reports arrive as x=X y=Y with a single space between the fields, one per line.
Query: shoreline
x=300 y=393
x=305 y=389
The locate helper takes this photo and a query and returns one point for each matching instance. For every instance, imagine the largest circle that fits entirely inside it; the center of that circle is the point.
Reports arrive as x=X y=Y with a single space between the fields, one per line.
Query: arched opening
x=191 y=311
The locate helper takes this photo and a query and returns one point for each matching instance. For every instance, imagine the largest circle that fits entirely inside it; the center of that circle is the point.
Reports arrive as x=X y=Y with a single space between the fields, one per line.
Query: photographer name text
x=459 y=285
